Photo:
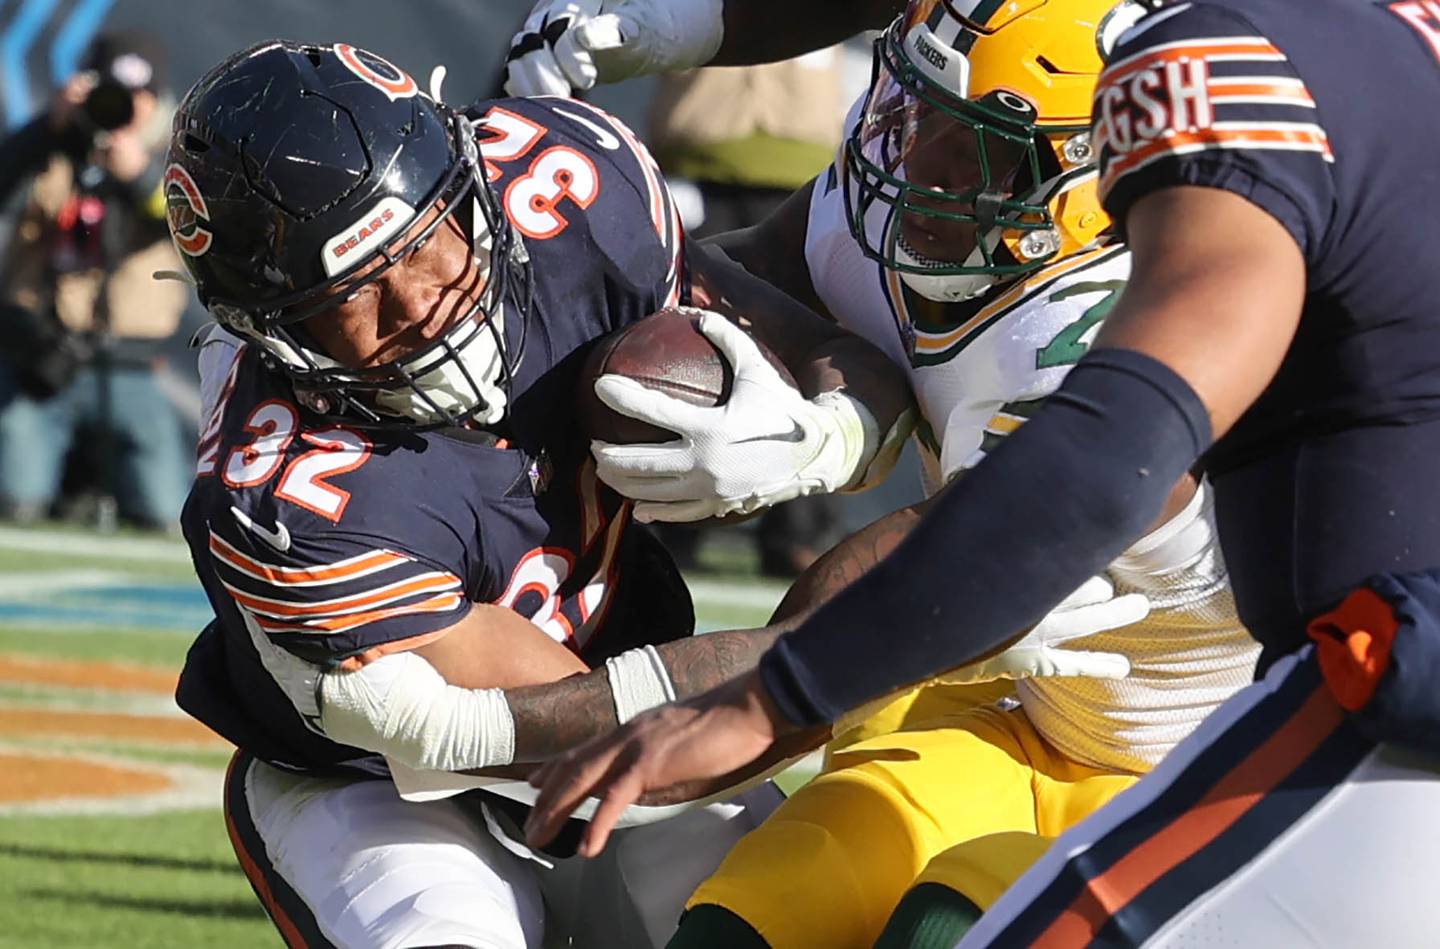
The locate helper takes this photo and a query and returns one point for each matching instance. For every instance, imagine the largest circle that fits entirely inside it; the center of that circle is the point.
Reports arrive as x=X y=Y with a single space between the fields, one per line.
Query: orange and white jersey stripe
x=1190 y=82
x=1237 y=836
x=362 y=588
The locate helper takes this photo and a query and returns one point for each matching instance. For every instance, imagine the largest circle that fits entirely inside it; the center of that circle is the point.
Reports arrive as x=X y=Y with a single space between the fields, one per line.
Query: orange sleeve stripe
x=1259 y=50
x=1297 y=92
x=288 y=930
x=429 y=583
x=1230 y=799
x=1185 y=142
x=340 y=570
x=435 y=604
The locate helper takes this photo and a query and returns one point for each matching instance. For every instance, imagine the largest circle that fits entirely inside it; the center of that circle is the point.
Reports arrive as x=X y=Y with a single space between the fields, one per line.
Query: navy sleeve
x=1195 y=95
x=561 y=166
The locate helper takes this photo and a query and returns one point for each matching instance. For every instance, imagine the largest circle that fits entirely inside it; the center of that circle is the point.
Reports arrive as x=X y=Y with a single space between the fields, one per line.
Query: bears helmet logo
x=377 y=71
x=185 y=208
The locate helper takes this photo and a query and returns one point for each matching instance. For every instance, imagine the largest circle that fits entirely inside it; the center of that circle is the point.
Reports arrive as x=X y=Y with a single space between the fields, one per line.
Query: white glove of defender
x=565 y=46
x=766 y=444
x=1091 y=609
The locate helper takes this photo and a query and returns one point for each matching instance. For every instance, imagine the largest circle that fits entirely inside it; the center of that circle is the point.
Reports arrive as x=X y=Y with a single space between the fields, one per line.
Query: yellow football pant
x=968 y=800
x=920 y=705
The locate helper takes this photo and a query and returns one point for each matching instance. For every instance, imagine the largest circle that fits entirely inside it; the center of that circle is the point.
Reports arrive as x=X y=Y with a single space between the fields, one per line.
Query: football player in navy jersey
x=1272 y=334
x=394 y=514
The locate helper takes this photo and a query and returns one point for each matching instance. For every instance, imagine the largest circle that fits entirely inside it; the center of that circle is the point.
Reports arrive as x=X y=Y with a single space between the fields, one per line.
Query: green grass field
x=149 y=870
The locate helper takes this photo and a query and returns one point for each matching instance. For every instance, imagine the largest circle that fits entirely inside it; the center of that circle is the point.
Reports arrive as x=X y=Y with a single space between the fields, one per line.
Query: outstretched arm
x=757 y=31
x=566 y=46
x=557 y=716
x=1103 y=453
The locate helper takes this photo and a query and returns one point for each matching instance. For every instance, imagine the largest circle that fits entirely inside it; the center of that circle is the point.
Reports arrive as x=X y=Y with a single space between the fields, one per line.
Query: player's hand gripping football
x=566 y=46
x=766 y=444
x=1091 y=609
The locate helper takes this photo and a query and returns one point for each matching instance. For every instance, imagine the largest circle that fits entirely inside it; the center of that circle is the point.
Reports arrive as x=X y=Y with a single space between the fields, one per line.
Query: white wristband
x=886 y=454
x=859 y=435
x=638 y=681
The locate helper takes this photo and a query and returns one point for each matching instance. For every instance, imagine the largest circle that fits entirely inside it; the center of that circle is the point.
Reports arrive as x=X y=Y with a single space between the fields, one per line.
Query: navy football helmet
x=290 y=168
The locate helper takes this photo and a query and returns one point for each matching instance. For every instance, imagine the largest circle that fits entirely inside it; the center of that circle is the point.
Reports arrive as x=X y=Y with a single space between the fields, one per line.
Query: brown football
x=664 y=351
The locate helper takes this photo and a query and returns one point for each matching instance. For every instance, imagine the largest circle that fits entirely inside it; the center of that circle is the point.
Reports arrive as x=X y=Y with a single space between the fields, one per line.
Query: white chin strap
x=948 y=288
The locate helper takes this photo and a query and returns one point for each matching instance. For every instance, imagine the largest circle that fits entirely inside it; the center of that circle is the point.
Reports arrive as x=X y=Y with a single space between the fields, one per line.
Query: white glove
x=766 y=444
x=1091 y=609
x=567 y=45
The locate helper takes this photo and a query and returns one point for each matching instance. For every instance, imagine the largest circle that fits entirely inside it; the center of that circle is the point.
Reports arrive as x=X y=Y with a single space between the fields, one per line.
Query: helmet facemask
x=463 y=376
x=957 y=191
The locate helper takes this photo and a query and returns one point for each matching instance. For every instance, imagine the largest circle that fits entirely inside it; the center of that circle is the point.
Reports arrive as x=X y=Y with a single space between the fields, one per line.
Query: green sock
x=930 y=916
x=708 y=926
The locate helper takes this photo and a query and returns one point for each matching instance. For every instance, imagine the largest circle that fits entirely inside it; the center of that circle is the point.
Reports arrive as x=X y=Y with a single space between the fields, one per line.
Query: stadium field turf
x=110 y=827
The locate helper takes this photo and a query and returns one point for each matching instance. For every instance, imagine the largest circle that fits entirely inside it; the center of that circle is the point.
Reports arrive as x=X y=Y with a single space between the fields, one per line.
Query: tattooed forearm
x=700 y=663
x=556 y=716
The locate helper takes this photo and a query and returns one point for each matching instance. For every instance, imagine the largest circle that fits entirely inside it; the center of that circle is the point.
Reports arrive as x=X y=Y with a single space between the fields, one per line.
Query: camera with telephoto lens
x=109 y=106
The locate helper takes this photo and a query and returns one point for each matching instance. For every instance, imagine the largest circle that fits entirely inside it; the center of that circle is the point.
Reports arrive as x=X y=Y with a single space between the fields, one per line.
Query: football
x=664 y=351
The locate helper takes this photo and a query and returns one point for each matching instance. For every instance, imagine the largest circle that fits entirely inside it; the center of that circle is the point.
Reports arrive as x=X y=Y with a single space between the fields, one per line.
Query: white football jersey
x=977 y=381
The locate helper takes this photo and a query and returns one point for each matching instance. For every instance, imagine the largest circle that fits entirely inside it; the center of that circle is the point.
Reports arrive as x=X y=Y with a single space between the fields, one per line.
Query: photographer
x=82 y=321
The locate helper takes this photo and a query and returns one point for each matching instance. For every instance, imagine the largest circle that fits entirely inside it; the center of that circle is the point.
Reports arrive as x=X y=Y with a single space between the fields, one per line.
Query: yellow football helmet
x=972 y=161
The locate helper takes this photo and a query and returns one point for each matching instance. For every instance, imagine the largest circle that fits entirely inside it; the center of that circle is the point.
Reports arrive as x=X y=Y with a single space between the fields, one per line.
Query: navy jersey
x=1320 y=113
x=330 y=545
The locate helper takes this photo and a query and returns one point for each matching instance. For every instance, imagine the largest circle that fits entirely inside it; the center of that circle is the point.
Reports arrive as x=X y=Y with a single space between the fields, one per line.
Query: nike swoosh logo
x=796 y=435
x=602 y=138
x=279 y=538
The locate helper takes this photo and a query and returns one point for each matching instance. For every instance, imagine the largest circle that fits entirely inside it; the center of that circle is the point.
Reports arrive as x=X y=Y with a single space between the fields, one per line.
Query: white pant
x=348 y=863
x=1275 y=824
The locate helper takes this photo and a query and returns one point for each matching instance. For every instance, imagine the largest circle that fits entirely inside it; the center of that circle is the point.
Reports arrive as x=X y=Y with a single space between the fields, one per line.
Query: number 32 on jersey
x=273 y=425
x=533 y=200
